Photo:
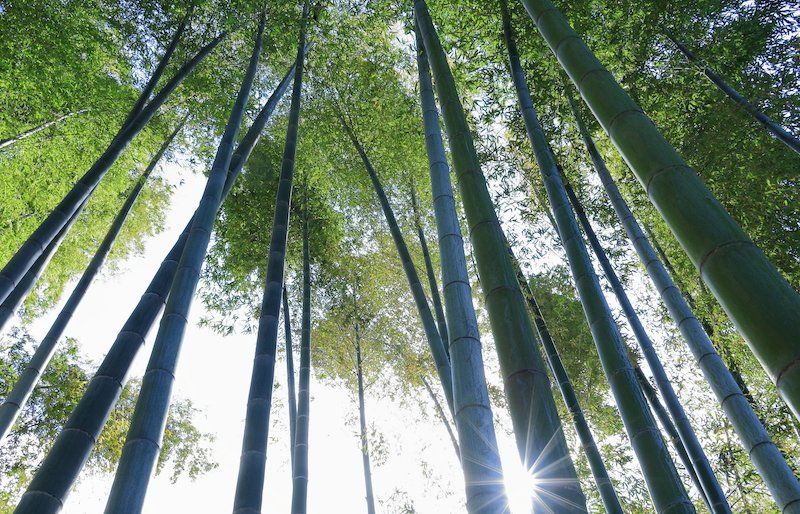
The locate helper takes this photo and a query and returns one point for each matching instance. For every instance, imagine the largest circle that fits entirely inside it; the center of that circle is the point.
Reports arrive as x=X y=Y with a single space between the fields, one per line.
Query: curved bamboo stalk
x=711 y=491
x=143 y=442
x=435 y=342
x=48 y=490
x=26 y=382
x=759 y=300
x=775 y=129
x=72 y=203
x=659 y=471
x=480 y=462
x=766 y=457
x=250 y=481
x=300 y=474
x=537 y=428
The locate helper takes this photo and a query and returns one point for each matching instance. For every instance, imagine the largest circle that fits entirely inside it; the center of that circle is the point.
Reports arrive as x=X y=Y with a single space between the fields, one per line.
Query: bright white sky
x=214 y=373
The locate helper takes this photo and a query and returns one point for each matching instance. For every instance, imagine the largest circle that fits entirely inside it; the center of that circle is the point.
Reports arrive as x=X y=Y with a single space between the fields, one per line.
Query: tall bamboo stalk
x=300 y=474
x=659 y=471
x=250 y=481
x=771 y=465
x=4 y=143
x=50 y=485
x=669 y=427
x=759 y=300
x=480 y=462
x=711 y=491
x=143 y=442
x=287 y=339
x=362 y=424
x=605 y=487
x=775 y=129
x=432 y=335
x=440 y=412
x=14 y=300
x=26 y=382
x=436 y=299
x=73 y=202
x=537 y=428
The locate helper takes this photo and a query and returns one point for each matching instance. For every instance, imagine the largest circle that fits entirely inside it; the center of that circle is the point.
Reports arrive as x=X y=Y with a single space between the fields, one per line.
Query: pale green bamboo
x=537 y=427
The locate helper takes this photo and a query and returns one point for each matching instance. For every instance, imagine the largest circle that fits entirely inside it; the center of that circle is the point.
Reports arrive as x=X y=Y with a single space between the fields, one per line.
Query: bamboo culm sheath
x=537 y=427
x=758 y=299
x=22 y=389
x=771 y=465
x=250 y=481
x=143 y=442
x=72 y=203
x=435 y=342
x=775 y=129
x=292 y=395
x=480 y=462
x=711 y=491
x=63 y=463
x=605 y=487
x=659 y=471
x=300 y=455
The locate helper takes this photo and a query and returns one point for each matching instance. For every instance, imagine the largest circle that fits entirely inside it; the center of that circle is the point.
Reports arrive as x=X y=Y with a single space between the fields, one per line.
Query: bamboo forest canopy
x=415 y=180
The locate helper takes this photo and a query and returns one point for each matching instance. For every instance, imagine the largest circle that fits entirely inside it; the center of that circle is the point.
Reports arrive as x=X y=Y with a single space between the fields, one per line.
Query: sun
x=520 y=488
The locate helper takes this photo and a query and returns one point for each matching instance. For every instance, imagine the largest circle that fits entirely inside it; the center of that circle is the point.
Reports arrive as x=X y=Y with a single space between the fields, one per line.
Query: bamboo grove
x=568 y=227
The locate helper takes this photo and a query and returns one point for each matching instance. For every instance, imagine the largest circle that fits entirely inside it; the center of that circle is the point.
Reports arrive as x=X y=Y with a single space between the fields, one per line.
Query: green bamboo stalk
x=435 y=341
x=436 y=299
x=669 y=427
x=710 y=491
x=605 y=487
x=537 y=428
x=14 y=300
x=659 y=471
x=300 y=474
x=764 y=454
x=480 y=462
x=775 y=129
x=760 y=301
x=26 y=382
x=143 y=442
x=250 y=481
x=362 y=424
x=27 y=255
x=442 y=416
x=287 y=338
x=48 y=490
